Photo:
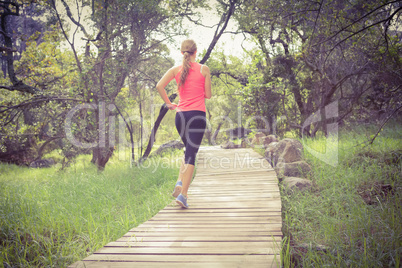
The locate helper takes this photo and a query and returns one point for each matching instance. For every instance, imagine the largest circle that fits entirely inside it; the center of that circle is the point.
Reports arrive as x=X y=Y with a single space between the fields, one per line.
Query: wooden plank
x=174 y=212
x=273 y=238
x=186 y=250
x=224 y=181
x=214 y=220
x=199 y=224
x=223 y=198
x=235 y=190
x=272 y=202
x=239 y=189
x=154 y=260
x=171 y=214
x=229 y=170
x=212 y=234
x=238 y=174
x=229 y=205
x=218 y=187
x=124 y=264
x=271 y=207
x=228 y=180
x=233 y=184
x=221 y=214
x=254 y=203
x=250 y=189
x=205 y=228
x=175 y=209
x=232 y=187
x=260 y=173
x=233 y=195
x=195 y=244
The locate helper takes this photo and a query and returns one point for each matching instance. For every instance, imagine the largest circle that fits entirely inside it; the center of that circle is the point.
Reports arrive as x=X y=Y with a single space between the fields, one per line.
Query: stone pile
x=285 y=156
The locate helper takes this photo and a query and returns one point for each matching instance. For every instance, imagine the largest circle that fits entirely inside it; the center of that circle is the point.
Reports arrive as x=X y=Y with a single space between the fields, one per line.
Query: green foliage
x=313 y=53
x=349 y=218
x=123 y=43
x=26 y=120
x=224 y=108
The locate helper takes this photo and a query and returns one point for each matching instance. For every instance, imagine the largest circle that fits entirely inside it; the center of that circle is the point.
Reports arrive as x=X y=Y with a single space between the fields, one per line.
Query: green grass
x=52 y=218
x=352 y=216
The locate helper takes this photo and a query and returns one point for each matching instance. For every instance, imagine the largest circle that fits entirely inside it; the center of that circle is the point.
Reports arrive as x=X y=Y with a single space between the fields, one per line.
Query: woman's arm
x=207 y=74
x=169 y=75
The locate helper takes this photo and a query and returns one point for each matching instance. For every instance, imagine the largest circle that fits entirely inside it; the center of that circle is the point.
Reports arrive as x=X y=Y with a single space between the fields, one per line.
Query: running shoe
x=177 y=189
x=182 y=201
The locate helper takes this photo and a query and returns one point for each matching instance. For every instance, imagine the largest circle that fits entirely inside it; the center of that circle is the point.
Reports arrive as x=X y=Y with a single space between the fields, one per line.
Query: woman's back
x=192 y=92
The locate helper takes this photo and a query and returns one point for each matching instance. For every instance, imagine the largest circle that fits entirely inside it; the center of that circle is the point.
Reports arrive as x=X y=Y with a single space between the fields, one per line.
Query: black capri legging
x=191 y=126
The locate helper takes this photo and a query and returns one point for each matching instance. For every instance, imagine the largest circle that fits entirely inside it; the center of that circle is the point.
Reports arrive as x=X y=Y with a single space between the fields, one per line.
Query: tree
x=229 y=76
x=29 y=123
x=8 y=9
x=323 y=51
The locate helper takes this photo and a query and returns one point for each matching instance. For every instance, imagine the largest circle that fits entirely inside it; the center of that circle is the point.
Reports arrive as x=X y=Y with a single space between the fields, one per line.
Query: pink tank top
x=191 y=94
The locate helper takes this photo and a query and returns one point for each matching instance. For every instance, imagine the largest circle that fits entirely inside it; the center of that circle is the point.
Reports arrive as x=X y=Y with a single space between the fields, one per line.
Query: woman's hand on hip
x=171 y=106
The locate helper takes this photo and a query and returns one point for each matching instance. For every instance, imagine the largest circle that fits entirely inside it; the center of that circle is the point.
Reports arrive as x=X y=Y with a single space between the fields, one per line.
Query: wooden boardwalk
x=234 y=220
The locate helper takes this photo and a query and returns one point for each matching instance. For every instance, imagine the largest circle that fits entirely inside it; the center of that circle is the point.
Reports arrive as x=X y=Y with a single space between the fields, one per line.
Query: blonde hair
x=188 y=47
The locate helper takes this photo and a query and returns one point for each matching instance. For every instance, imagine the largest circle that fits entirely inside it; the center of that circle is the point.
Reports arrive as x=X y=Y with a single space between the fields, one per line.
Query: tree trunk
x=208 y=131
x=8 y=42
x=104 y=150
x=158 y=121
x=94 y=156
x=41 y=149
x=217 y=131
x=103 y=156
x=218 y=128
x=142 y=126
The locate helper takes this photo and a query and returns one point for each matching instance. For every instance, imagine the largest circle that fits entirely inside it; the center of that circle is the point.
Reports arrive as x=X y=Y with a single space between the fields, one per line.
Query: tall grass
x=352 y=216
x=52 y=218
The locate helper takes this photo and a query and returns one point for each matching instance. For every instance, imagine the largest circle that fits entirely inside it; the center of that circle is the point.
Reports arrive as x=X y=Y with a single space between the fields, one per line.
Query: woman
x=194 y=85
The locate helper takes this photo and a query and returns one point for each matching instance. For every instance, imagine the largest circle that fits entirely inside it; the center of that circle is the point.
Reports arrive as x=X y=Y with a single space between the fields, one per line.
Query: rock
x=259 y=135
x=42 y=163
x=254 y=141
x=316 y=247
x=171 y=145
x=292 y=152
x=244 y=143
x=270 y=151
x=257 y=140
x=294 y=169
x=273 y=151
x=268 y=140
x=230 y=145
x=295 y=183
x=238 y=133
x=285 y=151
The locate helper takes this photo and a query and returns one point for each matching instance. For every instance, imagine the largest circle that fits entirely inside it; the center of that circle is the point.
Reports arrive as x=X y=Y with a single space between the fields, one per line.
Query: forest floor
x=51 y=217
x=350 y=218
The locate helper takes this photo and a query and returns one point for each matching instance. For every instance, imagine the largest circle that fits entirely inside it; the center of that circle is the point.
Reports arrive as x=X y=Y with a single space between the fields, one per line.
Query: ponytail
x=188 y=47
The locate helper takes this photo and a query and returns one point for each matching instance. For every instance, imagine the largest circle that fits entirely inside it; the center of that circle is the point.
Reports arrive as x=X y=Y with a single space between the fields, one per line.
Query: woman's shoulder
x=204 y=66
x=204 y=70
x=175 y=69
